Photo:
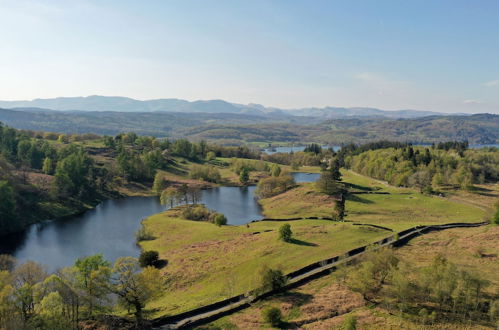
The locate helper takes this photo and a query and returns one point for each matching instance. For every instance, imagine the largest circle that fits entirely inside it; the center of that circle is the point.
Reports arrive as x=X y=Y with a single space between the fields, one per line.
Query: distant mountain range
x=125 y=104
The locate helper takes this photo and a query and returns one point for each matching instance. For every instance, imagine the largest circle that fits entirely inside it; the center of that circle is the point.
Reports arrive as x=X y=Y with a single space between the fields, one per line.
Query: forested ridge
x=242 y=128
x=429 y=168
x=47 y=175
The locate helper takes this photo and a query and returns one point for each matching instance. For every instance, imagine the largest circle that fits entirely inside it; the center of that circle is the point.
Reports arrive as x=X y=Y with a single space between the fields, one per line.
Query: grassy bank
x=207 y=263
x=325 y=303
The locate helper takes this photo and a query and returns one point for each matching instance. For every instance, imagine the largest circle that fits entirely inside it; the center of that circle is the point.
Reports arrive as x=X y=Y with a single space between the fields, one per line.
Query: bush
x=144 y=235
x=495 y=219
x=285 y=232
x=272 y=316
x=148 y=258
x=202 y=213
x=350 y=323
x=197 y=213
x=272 y=279
x=219 y=219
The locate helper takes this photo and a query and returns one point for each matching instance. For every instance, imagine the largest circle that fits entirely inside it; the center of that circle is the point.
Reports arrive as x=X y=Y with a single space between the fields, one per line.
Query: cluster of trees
x=297 y=159
x=428 y=168
x=275 y=185
x=63 y=172
x=31 y=298
x=207 y=173
x=440 y=291
x=180 y=195
x=329 y=184
x=202 y=213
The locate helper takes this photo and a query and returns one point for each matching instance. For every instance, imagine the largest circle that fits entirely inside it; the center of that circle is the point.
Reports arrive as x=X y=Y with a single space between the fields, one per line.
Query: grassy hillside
x=208 y=263
x=326 y=303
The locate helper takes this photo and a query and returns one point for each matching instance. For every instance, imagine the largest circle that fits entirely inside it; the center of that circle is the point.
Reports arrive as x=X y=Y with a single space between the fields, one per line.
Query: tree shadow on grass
x=300 y=242
x=294 y=298
x=161 y=263
x=356 y=198
x=359 y=187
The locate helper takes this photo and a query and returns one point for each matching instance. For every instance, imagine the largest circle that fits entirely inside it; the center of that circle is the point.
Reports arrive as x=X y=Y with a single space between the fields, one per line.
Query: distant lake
x=477 y=146
x=271 y=151
x=110 y=227
x=336 y=148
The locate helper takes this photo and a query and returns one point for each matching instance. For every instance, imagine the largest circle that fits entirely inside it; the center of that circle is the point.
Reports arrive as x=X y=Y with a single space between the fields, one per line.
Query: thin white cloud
x=472 y=102
x=491 y=83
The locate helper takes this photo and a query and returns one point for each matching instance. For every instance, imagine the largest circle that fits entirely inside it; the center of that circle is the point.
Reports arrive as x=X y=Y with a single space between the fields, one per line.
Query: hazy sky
x=429 y=55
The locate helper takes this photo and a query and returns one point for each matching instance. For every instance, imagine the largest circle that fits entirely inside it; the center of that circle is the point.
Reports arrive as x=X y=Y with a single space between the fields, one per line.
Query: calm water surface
x=294 y=149
x=110 y=228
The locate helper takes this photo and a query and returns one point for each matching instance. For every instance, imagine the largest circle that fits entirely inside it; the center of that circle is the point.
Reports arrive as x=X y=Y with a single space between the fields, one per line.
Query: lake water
x=110 y=228
x=294 y=149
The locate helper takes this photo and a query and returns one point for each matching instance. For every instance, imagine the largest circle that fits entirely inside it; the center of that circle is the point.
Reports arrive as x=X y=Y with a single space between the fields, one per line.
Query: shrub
x=197 y=213
x=272 y=279
x=495 y=218
x=272 y=316
x=148 y=258
x=350 y=323
x=144 y=235
x=202 y=213
x=244 y=176
x=285 y=232
x=220 y=220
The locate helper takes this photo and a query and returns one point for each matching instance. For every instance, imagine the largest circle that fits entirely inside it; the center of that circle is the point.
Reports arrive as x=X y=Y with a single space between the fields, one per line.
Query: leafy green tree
x=93 y=277
x=48 y=166
x=272 y=316
x=73 y=174
x=159 y=183
x=335 y=169
x=244 y=176
x=220 y=220
x=135 y=287
x=495 y=218
x=285 y=232
x=7 y=207
x=148 y=258
x=275 y=170
x=169 y=196
x=327 y=184
x=339 y=208
x=272 y=186
x=26 y=277
x=23 y=152
x=210 y=156
x=272 y=279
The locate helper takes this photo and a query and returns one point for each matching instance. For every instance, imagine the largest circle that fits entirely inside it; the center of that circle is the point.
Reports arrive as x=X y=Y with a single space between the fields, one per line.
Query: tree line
x=428 y=168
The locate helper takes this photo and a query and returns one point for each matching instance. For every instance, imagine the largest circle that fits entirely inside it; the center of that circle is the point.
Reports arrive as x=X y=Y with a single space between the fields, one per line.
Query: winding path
x=219 y=309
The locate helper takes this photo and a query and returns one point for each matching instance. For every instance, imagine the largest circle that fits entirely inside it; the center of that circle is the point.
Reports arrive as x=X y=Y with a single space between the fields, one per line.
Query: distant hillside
x=477 y=129
x=125 y=104
x=234 y=129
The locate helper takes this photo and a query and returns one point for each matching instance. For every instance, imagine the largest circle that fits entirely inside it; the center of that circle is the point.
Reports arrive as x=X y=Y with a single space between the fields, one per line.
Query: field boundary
x=296 y=278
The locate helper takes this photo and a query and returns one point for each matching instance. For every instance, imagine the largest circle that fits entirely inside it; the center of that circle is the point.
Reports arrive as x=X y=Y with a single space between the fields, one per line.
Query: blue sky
x=429 y=55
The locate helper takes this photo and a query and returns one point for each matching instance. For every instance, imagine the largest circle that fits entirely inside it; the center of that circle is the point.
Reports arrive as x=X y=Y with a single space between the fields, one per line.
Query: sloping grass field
x=207 y=263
